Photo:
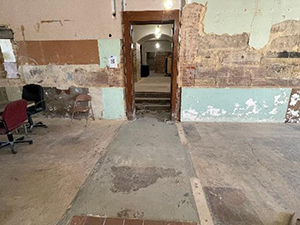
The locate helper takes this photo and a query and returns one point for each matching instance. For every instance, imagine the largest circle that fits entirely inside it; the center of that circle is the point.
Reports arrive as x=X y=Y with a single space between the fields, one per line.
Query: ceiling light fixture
x=158 y=35
x=157 y=32
x=168 y=4
x=157 y=45
x=157 y=29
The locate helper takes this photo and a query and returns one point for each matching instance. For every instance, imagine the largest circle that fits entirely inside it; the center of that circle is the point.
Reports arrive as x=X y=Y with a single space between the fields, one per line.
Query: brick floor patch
x=87 y=220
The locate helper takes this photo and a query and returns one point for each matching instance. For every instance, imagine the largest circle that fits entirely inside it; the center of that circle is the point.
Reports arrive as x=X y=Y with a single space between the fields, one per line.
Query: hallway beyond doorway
x=156 y=82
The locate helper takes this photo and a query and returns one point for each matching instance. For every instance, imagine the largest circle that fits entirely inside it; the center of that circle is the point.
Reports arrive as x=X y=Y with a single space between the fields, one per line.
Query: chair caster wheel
x=12 y=148
x=31 y=142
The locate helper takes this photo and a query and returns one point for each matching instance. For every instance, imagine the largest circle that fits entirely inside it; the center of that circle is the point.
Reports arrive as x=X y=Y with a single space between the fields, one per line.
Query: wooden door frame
x=142 y=18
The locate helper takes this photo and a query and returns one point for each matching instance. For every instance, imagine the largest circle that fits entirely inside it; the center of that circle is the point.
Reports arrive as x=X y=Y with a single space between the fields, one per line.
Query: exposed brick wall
x=160 y=61
x=60 y=103
x=210 y=60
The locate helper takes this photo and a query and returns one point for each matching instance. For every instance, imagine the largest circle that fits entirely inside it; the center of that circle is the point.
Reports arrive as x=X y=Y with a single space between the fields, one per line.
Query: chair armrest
x=36 y=103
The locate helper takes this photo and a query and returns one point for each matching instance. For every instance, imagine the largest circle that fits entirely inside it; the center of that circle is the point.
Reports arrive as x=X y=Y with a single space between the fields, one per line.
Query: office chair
x=35 y=93
x=13 y=117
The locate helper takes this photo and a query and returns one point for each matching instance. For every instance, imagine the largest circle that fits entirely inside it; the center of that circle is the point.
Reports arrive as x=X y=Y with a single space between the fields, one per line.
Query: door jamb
x=142 y=18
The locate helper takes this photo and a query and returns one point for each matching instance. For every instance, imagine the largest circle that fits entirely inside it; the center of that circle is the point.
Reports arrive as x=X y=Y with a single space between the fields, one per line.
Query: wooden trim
x=141 y=18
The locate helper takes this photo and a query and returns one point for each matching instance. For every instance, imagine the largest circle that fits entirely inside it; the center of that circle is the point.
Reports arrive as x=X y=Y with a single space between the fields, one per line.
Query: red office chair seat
x=13 y=117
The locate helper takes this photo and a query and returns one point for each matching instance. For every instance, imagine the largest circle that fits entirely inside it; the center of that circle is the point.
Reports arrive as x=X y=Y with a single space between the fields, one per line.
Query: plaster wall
x=140 y=31
x=237 y=44
x=253 y=17
x=150 y=46
x=61 y=20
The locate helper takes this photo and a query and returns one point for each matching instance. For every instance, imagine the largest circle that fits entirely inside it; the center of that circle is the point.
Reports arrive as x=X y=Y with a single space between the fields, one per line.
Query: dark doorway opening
x=166 y=64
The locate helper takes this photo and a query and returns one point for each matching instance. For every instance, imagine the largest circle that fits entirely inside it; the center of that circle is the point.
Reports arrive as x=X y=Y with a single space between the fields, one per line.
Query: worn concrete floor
x=145 y=174
x=250 y=173
x=39 y=182
x=155 y=82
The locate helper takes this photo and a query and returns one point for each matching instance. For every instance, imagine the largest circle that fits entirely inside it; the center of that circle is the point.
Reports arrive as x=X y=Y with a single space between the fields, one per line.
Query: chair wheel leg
x=12 y=148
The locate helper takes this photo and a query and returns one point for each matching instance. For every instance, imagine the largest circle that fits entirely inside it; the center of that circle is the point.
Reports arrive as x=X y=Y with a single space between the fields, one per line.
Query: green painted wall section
x=251 y=16
x=113 y=103
x=234 y=105
x=107 y=48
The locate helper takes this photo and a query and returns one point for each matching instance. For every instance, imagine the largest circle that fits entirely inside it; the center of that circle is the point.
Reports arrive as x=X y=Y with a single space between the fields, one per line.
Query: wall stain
x=37 y=27
x=55 y=21
x=127 y=179
x=23 y=32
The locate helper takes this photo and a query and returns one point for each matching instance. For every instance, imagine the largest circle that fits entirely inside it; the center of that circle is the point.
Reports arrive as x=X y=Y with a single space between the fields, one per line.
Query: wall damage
x=227 y=60
x=234 y=104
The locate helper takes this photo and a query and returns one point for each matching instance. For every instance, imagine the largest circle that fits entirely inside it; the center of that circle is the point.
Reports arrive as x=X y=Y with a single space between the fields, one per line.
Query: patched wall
x=234 y=104
x=237 y=44
x=210 y=63
x=293 y=110
x=211 y=60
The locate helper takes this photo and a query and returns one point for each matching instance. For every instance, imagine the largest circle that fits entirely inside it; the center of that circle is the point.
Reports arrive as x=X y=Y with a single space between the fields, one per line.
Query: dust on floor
x=250 y=173
x=40 y=181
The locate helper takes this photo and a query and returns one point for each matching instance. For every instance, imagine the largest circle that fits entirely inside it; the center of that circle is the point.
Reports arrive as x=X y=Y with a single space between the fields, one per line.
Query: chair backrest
x=35 y=93
x=14 y=114
x=83 y=98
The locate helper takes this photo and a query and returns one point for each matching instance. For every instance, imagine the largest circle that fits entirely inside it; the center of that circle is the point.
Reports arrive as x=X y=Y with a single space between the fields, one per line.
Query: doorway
x=163 y=63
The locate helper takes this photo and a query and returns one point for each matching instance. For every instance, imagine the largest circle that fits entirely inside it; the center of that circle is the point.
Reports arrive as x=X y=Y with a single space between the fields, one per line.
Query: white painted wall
x=140 y=31
x=149 y=46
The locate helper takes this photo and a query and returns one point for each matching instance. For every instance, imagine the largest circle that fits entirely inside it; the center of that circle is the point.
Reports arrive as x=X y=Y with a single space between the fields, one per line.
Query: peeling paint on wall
x=212 y=60
x=65 y=76
x=234 y=105
x=293 y=111
x=107 y=48
x=253 y=17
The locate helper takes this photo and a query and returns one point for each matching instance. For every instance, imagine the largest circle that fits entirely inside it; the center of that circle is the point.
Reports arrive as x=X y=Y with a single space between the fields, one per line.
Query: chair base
x=31 y=125
x=11 y=142
x=39 y=124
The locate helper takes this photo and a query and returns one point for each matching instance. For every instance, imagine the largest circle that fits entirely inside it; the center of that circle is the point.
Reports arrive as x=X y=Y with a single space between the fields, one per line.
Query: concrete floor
x=155 y=82
x=40 y=181
x=250 y=173
x=145 y=174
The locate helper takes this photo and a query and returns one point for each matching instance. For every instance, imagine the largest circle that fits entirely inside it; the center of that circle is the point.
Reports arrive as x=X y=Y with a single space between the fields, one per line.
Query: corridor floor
x=155 y=82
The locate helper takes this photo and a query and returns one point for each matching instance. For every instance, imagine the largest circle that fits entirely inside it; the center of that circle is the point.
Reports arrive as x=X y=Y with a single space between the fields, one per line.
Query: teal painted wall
x=234 y=105
x=107 y=48
x=113 y=103
x=255 y=17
